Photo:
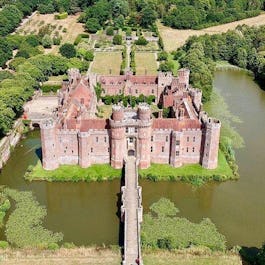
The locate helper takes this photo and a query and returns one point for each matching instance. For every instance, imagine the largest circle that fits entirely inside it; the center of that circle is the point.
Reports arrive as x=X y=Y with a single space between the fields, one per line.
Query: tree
x=148 y=16
x=68 y=50
x=110 y=31
x=47 y=41
x=141 y=41
x=92 y=25
x=117 y=39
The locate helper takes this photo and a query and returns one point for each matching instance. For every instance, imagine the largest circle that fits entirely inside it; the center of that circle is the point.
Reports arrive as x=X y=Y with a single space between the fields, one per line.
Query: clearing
x=175 y=38
x=102 y=256
x=146 y=63
x=67 y=28
x=107 y=63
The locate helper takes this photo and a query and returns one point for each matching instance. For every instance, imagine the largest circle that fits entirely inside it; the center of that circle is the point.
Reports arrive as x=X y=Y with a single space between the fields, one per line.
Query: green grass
x=194 y=173
x=107 y=63
x=73 y=173
x=175 y=63
x=145 y=63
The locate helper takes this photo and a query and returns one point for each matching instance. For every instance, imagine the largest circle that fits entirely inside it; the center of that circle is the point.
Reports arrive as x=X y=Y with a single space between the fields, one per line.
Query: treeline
x=243 y=47
x=201 y=14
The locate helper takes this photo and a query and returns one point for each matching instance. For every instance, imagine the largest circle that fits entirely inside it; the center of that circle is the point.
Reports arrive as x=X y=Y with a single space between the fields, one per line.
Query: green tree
x=92 y=25
x=148 y=16
x=117 y=39
x=68 y=50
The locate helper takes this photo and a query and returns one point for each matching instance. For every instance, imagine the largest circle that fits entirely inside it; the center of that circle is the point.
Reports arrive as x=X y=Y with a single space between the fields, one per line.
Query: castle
x=76 y=136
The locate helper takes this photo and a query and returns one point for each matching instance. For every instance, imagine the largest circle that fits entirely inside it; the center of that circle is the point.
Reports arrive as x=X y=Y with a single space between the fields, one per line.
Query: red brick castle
x=77 y=136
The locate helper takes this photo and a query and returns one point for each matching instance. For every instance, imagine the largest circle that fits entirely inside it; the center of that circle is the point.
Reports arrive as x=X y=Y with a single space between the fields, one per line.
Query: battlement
x=47 y=124
x=214 y=123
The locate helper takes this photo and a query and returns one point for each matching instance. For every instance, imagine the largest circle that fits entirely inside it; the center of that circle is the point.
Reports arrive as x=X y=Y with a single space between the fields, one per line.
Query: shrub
x=162 y=56
x=4 y=244
x=61 y=16
x=141 y=41
x=47 y=41
x=53 y=246
x=68 y=50
x=110 y=31
x=57 y=40
x=92 y=25
x=117 y=39
x=50 y=88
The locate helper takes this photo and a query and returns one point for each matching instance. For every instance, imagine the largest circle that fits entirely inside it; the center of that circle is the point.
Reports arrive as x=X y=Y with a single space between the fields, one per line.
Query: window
x=120 y=91
x=136 y=91
x=72 y=151
x=131 y=140
x=152 y=138
x=151 y=148
x=177 y=142
x=135 y=129
x=153 y=91
x=108 y=149
x=177 y=153
x=187 y=149
x=163 y=149
x=91 y=149
x=105 y=139
x=166 y=138
x=188 y=139
x=193 y=138
x=96 y=139
x=127 y=129
x=193 y=149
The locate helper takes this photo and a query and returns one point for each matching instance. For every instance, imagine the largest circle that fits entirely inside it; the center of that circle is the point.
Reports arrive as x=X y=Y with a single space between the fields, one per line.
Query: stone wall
x=10 y=141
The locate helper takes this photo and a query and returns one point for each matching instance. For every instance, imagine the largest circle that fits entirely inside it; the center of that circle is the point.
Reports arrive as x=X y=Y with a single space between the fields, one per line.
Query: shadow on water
x=249 y=255
x=118 y=213
x=38 y=152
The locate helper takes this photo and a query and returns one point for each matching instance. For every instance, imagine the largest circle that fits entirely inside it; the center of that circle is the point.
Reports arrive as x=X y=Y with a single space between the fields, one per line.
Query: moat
x=86 y=213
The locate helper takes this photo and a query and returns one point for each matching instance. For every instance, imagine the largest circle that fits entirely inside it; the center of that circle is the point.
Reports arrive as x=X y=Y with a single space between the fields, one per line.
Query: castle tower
x=163 y=80
x=196 y=95
x=144 y=135
x=118 y=141
x=84 y=154
x=184 y=76
x=175 y=152
x=49 y=145
x=211 y=143
x=74 y=76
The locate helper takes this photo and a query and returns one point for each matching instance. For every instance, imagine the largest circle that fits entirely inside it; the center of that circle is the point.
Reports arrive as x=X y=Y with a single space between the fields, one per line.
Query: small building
x=76 y=136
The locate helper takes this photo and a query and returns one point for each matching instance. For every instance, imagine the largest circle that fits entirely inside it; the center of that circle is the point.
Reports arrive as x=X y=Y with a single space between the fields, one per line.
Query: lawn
x=146 y=63
x=73 y=173
x=107 y=63
x=175 y=38
x=194 y=173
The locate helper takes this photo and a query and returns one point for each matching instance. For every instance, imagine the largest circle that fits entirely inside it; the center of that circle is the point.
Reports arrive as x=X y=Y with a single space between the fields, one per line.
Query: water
x=87 y=212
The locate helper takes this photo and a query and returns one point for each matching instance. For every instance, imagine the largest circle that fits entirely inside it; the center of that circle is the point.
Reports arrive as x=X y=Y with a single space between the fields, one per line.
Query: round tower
x=211 y=143
x=144 y=135
x=49 y=145
x=118 y=141
x=184 y=76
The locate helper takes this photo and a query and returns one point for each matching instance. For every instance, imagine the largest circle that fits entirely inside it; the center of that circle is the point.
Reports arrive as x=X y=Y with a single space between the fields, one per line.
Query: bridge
x=131 y=214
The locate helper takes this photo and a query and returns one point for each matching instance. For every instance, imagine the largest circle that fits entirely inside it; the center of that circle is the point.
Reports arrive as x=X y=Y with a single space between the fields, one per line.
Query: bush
x=162 y=56
x=68 y=50
x=141 y=41
x=61 y=16
x=47 y=41
x=79 y=38
x=110 y=31
x=92 y=25
x=50 y=88
x=53 y=246
x=117 y=39
x=4 y=244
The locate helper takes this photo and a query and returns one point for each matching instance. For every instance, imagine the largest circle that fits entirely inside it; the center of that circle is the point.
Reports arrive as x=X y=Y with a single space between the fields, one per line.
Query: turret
x=118 y=141
x=74 y=76
x=84 y=142
x=144 y=135
x=184 y=75
x=196 y=95
x=49 y=145
x=211 y=136
x=175 y=151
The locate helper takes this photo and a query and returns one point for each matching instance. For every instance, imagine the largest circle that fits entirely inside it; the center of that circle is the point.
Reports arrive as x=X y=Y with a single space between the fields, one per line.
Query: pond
x=87 y=213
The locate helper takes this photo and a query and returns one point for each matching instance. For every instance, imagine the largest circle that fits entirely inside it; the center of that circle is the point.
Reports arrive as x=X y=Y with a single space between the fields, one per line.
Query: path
x=132 y=213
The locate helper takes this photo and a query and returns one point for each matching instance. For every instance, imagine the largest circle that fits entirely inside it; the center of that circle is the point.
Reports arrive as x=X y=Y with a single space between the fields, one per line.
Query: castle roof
x=175 y=124
x=97 y=124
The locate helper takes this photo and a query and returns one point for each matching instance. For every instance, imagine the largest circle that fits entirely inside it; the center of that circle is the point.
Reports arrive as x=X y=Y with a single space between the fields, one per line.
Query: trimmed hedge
x=80 y=37
x=61 y=15
x=50 y=88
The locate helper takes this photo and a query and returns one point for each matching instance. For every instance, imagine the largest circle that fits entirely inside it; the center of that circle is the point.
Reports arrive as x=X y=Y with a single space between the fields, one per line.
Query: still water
x=86 y=213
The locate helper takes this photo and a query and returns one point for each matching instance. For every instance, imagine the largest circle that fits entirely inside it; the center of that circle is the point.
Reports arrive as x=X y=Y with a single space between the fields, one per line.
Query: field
x=102 y=256
x=68 y=28
x=145 y=63
x=107 y=63
x=174 y=38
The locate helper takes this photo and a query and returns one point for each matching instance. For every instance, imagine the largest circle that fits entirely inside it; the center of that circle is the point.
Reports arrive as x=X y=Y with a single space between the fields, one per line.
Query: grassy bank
x=73 y=173
x=100 y=256
x=194 y=174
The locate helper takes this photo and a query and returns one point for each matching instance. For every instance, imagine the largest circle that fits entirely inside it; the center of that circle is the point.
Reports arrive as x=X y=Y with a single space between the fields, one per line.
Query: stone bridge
x=131 y=214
